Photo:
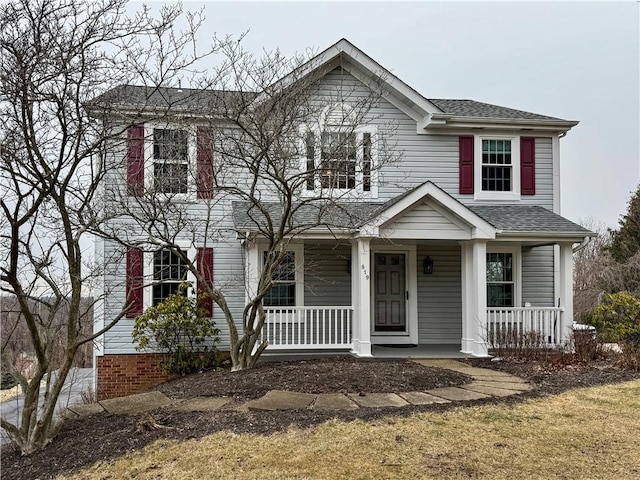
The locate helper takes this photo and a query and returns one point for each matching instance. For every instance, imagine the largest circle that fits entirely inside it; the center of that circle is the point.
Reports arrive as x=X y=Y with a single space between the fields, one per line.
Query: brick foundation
x=121 y=375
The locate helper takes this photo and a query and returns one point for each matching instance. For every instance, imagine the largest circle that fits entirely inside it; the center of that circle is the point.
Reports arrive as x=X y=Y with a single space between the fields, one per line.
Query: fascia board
x=499 y=124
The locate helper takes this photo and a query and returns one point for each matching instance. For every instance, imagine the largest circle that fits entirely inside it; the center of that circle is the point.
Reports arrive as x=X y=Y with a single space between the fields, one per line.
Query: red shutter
x=527 y=166
x=466 y=164
x=135 y=274
x=204 y=261
x=204 y=160
x=135 y=160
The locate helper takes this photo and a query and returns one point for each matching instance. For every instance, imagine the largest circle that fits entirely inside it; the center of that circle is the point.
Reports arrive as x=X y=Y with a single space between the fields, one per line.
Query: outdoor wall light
x=349 y=265
x=428 y=266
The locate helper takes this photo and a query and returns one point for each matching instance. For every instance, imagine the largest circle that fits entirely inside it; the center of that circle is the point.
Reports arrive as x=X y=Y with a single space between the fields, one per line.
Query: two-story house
x=460 y=234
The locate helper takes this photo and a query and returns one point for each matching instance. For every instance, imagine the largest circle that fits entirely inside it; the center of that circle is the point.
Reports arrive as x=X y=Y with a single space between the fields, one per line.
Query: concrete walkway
x=486 y=383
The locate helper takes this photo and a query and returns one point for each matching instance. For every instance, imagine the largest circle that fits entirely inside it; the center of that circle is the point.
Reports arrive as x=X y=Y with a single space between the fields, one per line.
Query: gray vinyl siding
x=537 y=276
x=440 y=296
x=327 y=281
x=411 y=159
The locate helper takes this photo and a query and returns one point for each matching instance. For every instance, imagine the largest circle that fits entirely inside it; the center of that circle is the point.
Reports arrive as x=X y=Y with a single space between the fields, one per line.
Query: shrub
x=616 y=317
x=630 y=357
x=585 y=345
x=180 y=327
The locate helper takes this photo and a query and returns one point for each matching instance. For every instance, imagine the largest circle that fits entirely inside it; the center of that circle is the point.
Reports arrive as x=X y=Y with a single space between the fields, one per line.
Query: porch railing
x=308 y=327
x=510 y=325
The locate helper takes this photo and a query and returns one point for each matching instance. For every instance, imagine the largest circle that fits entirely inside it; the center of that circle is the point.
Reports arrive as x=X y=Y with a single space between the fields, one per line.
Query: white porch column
x=478 y=306
x=566 y=289
x=468 y=291
x=361 y=296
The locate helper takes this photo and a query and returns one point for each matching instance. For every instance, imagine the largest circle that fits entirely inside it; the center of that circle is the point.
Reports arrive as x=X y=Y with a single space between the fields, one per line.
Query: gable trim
x=445 y=203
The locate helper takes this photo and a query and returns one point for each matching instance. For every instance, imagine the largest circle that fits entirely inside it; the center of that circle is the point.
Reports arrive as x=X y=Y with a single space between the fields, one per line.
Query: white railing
x=307 y=327
x=511 y=325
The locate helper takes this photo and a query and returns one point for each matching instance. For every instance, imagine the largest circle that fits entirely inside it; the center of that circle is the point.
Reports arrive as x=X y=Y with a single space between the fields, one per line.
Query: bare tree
x=271 y=159
x=56 y=55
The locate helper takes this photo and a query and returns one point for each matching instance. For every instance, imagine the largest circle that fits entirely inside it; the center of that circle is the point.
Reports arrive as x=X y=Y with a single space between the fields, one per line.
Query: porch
x=303 y=330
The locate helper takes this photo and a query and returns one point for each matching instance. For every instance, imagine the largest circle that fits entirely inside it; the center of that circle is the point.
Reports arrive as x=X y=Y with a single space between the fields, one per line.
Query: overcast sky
x=576 y=61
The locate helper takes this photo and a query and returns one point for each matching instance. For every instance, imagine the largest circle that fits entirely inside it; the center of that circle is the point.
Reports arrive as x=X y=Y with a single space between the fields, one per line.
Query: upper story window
x=497 y=169
x=340 y=155
x=169 y=271
x=170 y=160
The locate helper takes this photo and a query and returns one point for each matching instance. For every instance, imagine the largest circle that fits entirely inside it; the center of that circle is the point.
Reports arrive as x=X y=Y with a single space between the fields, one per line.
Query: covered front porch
x=424 y=272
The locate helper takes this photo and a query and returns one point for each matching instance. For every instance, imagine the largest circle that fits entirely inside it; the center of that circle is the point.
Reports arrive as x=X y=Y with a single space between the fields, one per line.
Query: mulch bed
x=104 y=437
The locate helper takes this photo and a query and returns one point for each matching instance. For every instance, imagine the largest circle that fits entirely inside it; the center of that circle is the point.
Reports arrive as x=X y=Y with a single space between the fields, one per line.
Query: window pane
x=169 y=144
x=170 y=177
x=281 y=295
x=500 y=295
x=168 y=271
x=338 y=160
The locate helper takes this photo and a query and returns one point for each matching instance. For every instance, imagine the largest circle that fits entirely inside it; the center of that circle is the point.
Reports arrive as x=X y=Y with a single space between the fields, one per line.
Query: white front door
x=390 y=293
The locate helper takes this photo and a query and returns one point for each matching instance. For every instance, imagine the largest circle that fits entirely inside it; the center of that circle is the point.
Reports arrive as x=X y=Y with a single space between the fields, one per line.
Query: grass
x=587 y=433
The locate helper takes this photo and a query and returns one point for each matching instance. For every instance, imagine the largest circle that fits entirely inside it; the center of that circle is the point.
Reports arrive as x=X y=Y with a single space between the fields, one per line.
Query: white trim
x=479 y=227
x=148 y=272
x=342 y=193
x=298 y=250
x=410 y=335
x=479 y=194
x=555 y=155
x=149 y=161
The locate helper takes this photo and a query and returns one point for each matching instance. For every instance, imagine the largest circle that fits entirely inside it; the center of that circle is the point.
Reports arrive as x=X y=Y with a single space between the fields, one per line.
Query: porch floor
x=419 y=351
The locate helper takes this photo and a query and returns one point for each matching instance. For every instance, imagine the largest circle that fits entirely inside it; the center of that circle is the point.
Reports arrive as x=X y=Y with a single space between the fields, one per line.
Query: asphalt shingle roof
x=472 y=108
x=526 y=219
x=199 y=100
x=506 y=218
x=324 y=214
x=191 y=99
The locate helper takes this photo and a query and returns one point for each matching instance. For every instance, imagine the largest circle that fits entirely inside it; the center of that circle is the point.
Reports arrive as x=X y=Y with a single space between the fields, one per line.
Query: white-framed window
x=169 y=271
x=170 y=160
x=164 y=271
x=497 y=167
x=503 y=277
x=288 y=280
x=340 y=155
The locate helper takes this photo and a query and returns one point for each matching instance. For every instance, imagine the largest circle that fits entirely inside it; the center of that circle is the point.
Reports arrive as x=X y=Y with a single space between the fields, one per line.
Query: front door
x=390 y=292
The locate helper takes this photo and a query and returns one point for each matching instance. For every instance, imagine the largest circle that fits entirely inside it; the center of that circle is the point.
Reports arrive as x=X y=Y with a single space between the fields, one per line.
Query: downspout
x=583 y=244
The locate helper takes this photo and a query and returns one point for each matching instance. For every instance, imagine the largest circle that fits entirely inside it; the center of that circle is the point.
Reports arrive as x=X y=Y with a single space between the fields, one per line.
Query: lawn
x=583 y=433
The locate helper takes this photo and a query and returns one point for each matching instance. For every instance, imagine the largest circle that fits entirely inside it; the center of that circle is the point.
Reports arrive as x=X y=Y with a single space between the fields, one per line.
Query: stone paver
x=133 y=404
x=82 y=409
x=517 y=386
x=456 y=394
x=377 y=400
x=333 y=401
x=282 y=400
x=488 y=390
x=200 y=404
x=421 y=398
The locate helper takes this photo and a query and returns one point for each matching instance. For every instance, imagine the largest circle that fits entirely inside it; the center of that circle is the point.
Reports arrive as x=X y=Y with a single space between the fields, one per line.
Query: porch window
x=500 y=280
x=170 y=160
x=283 y=291
x=169 y=270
